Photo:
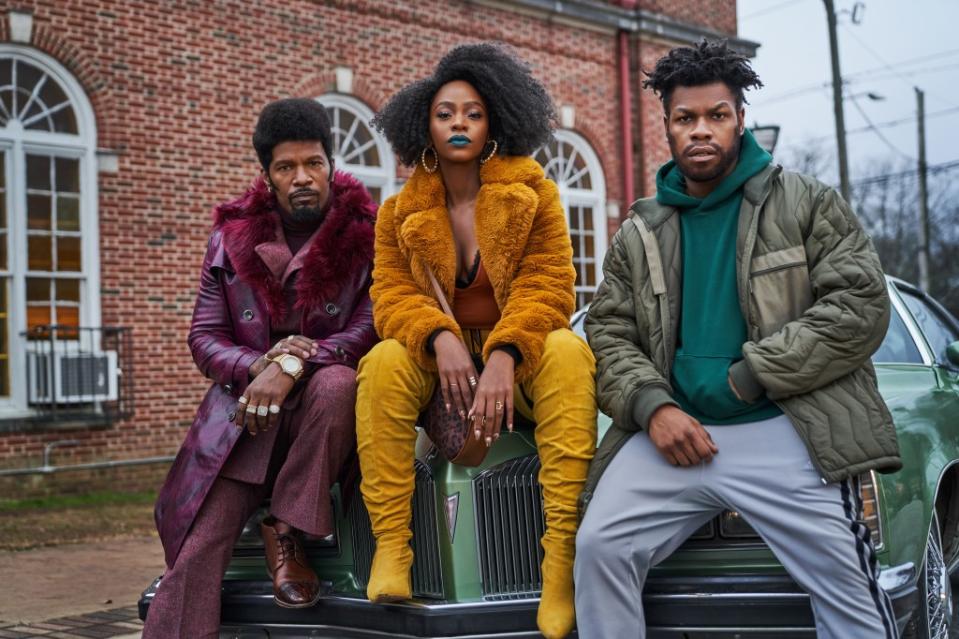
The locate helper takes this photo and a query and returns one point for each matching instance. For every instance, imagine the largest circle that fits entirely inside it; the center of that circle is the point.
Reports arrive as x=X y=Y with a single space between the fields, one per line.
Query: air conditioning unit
x=72 y=378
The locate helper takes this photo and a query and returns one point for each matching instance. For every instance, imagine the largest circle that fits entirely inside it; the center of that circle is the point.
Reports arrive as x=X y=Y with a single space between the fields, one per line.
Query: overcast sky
x=898 y=44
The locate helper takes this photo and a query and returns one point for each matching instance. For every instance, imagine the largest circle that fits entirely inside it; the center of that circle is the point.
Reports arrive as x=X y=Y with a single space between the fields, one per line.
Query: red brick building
x=122 y=122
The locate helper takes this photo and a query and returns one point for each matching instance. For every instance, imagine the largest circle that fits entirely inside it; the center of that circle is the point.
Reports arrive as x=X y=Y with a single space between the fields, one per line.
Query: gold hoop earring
x=486 y=158
x=436 y=159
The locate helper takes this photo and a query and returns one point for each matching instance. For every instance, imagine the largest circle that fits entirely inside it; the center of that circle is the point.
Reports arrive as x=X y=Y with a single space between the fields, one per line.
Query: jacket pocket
x=779 y=287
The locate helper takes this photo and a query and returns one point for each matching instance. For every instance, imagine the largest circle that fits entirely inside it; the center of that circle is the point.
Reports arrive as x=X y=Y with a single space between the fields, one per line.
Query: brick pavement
x=116 y=622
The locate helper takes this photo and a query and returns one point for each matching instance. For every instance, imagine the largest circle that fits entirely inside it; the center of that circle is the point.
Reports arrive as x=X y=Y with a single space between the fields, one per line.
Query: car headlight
x=868 y=489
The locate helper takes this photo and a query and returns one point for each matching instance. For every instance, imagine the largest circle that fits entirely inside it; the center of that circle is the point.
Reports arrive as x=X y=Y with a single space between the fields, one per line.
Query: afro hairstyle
x=291 y=120
x=521 y=113
x=708 y=62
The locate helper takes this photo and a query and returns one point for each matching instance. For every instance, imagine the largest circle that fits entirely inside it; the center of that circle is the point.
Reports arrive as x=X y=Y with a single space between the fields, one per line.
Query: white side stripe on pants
x=852 y=505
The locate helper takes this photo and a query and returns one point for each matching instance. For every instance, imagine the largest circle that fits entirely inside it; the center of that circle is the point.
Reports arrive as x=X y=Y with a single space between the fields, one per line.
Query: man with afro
x=733 y=335
x=282 y=317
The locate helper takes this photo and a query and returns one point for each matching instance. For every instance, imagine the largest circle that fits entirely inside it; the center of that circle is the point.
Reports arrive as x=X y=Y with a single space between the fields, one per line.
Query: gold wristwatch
x=290 y=364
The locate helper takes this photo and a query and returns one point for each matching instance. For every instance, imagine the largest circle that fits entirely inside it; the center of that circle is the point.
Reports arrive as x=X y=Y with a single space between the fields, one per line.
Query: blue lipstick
x=459 y=140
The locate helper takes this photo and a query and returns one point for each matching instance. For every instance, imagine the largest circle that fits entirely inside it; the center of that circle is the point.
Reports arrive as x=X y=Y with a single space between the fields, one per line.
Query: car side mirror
x=952 y=354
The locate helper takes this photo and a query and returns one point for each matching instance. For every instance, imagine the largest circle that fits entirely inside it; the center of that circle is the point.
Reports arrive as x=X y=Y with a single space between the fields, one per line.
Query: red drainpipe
x=625 y=110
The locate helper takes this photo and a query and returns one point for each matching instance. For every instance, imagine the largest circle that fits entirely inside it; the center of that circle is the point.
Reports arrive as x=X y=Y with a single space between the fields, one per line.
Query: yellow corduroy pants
x=393 y=390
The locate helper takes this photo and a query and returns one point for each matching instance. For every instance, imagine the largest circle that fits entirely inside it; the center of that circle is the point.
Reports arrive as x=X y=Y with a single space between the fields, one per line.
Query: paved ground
x=76 y=590
x=120 y=623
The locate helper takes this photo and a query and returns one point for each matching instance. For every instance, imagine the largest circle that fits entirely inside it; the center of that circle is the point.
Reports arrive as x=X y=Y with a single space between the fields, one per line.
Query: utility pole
x=923 y=194
x=837 y=101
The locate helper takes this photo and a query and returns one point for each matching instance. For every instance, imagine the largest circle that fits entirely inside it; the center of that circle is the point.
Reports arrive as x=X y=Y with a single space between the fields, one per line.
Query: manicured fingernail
x=510 y=427
x=489 y=440
x=447 y=407
x=495 y=436
x=462 y=414
x=477 y=433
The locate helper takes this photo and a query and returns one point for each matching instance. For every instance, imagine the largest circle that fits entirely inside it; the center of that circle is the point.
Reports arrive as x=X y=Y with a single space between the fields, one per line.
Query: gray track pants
x=644 y=508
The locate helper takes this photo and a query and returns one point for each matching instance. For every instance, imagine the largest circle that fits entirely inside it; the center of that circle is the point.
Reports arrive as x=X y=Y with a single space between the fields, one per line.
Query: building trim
x=594 y=15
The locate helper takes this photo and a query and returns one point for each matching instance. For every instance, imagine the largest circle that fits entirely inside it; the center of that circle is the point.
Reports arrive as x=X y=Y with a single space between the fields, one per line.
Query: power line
x=872 y=71
x=872 y=127
x=886 y=64
x=935 y=168
x=889 y=123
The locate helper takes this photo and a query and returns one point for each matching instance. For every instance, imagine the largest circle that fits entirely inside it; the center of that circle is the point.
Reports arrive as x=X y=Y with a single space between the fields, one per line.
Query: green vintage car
x=476 y=533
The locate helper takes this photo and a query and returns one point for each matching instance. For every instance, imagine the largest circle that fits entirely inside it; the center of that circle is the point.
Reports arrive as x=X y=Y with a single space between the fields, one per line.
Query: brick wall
x=176 y=87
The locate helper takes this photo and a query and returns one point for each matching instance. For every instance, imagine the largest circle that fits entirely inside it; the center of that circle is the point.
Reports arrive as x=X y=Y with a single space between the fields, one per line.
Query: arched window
x=570 y=161
x=358 y=148
x=49 y=243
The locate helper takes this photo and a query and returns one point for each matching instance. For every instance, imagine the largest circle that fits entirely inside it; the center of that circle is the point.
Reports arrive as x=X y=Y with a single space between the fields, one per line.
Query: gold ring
x=243 y=400
x=251 y=410
x=499 y=407
x=483 y=423
x=274 y=409
x=262 y=410
x=454 y=384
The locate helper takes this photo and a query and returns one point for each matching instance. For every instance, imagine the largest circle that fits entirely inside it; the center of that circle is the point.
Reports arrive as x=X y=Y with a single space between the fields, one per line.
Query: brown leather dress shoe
x=295 y=585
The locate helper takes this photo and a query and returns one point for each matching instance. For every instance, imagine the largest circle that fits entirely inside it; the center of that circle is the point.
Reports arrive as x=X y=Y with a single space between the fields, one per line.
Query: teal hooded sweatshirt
x=711 y=326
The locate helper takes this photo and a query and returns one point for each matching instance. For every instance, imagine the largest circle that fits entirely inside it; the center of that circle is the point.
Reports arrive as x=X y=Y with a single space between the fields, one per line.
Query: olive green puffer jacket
x=814 y=298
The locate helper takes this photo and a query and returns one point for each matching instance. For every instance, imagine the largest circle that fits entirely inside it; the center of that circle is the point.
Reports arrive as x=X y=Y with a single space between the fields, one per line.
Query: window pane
x=64 y=121
x=68 y=213
x=6 y=95
x=38 y=172
x=3 y=252
x=68 y=316
x=897 y=346
x=4 y=342
x=938 y=331
x=39 y=256
x=68 y=253
x=68 y=290
x=37 y=316
x=38 y=289
x=52 y=95
x=68 y=175
x=38 y=212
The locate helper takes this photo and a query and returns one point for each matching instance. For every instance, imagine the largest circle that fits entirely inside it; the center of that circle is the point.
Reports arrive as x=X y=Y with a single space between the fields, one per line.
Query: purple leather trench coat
x=238 y=298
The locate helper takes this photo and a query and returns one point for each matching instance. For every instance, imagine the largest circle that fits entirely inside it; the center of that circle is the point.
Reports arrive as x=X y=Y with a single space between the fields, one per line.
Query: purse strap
x=440 y=297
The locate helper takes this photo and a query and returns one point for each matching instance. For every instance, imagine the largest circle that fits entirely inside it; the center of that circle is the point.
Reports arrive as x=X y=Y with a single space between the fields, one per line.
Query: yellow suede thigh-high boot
x=563 y=391
x=391 y=389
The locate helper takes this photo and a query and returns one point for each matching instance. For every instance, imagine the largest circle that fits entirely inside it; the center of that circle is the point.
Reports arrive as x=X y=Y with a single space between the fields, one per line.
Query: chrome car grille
x=427 y=573
x=509 y=523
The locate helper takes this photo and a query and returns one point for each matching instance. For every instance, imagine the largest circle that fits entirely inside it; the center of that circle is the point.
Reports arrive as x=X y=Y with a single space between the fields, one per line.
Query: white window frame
x=16 y=142
x=382 y=177
x=594 y=197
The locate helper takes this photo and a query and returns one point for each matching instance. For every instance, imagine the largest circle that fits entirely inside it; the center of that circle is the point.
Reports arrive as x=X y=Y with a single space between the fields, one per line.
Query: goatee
x=308 y=214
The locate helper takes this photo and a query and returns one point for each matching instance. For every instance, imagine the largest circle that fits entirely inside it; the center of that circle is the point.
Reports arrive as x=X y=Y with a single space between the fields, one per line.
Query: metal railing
x=78 y=373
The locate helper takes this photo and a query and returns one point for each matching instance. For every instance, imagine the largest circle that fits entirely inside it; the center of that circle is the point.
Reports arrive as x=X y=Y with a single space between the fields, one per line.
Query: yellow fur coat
x=525 y=248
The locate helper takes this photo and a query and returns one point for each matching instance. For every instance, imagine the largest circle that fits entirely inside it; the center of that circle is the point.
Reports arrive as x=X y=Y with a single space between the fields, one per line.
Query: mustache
x=303 y=192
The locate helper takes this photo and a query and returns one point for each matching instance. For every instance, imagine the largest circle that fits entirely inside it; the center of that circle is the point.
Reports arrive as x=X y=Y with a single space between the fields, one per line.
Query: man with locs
x=732 y=336
x=282 y=317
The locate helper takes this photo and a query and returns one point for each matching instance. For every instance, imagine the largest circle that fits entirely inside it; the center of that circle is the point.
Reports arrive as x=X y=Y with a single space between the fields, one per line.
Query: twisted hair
x=708 y=62
x=521 y=113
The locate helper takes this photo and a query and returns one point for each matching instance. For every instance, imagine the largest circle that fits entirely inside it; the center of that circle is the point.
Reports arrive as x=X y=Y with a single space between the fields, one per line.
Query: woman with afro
x=479 y=215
